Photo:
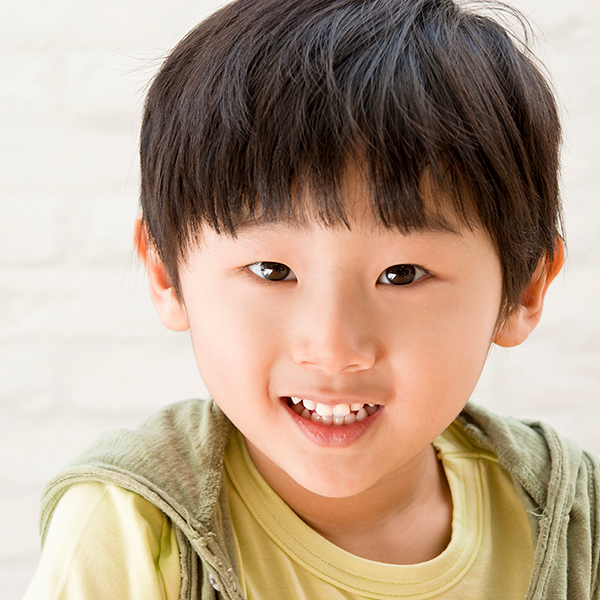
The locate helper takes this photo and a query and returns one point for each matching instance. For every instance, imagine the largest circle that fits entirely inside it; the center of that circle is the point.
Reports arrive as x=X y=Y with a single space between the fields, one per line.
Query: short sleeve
x=105 y=542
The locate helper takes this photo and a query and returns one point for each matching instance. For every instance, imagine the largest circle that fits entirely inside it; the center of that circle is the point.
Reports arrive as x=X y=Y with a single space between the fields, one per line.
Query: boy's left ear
x=524 y=318
x=170 y=310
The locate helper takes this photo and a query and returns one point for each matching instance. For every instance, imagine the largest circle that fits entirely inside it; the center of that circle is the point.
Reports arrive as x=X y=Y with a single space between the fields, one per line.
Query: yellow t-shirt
x=107 y=542
x=490 y=554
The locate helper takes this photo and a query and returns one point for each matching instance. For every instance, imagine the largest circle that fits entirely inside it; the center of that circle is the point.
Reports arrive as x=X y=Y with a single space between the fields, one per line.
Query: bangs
x=259 y=112
x=434 y=210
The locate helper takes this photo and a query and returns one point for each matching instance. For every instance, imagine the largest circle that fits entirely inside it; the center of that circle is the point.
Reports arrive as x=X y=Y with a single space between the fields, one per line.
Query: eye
x=271 y=271
x=402 y=275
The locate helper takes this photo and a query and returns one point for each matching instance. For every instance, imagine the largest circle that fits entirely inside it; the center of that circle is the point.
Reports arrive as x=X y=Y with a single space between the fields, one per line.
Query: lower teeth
x=348 y=419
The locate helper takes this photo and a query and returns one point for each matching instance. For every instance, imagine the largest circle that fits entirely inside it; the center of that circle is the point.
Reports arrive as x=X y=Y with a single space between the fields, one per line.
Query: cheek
x=234 y=341
x=445 y=348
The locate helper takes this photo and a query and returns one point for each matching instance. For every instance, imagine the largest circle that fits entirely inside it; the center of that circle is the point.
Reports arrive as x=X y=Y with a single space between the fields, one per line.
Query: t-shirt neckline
x=359 y=575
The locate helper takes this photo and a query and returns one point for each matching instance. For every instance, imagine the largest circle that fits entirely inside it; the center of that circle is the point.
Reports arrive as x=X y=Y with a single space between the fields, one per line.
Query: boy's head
x=344 y=201
x=261 y=111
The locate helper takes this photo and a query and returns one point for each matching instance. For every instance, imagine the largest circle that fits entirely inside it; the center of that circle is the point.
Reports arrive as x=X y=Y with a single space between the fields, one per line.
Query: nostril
x=335 y=349
x=334 y=364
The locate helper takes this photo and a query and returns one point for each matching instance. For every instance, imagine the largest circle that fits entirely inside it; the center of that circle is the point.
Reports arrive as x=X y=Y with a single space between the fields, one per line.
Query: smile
x=338 y=415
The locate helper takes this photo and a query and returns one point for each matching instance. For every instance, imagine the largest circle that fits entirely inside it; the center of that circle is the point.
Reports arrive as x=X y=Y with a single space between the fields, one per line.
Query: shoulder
x=550 y=469
x=173 y=460
x=178 y=429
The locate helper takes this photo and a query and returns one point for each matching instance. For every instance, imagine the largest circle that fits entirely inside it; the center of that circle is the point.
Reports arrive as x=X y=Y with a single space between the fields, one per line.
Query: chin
x=333 y=485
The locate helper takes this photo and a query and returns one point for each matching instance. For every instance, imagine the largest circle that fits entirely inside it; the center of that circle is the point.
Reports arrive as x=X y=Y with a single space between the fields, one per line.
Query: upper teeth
x=326 y=410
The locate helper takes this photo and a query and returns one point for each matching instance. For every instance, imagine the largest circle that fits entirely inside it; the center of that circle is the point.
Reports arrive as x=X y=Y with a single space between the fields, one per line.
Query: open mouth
x=338 y=415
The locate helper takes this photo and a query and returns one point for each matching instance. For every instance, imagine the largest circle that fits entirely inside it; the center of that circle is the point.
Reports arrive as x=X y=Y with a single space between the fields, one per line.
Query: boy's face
x=337 y=324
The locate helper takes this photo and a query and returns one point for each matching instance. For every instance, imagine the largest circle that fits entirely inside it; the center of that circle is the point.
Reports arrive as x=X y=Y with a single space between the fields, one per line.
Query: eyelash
x=397 y=271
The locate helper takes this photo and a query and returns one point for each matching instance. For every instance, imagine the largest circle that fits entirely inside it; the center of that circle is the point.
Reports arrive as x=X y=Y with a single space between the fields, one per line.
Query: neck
x=404 y=519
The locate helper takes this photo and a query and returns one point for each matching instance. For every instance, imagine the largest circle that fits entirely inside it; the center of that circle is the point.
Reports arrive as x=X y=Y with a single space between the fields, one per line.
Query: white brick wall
x=81 y=350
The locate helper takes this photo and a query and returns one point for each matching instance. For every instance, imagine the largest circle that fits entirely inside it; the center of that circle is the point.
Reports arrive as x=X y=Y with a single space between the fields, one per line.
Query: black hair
x=268 y=99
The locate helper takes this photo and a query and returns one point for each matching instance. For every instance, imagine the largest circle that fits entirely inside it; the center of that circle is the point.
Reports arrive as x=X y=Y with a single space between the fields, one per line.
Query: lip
x=331 y=435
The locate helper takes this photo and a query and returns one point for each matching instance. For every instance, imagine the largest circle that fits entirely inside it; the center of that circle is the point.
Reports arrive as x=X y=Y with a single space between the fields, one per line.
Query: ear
x=524 y=318
x=170 y=310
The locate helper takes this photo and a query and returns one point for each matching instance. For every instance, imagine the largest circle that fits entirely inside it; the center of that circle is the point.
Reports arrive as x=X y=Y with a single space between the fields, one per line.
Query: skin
x=335 y=330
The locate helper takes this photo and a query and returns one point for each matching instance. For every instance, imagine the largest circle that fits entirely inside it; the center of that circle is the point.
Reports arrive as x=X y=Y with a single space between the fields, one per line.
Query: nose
x=335 y=331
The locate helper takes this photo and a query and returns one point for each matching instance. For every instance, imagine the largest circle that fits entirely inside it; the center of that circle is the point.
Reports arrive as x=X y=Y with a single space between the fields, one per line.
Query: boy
x=346 y=203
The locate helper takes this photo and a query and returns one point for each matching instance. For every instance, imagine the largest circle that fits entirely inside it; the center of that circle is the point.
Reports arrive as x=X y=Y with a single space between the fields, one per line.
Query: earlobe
x=524 y=318
x=170 y=310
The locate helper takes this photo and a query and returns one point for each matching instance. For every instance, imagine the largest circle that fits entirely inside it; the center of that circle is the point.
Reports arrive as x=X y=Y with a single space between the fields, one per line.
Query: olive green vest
x=175 y=458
